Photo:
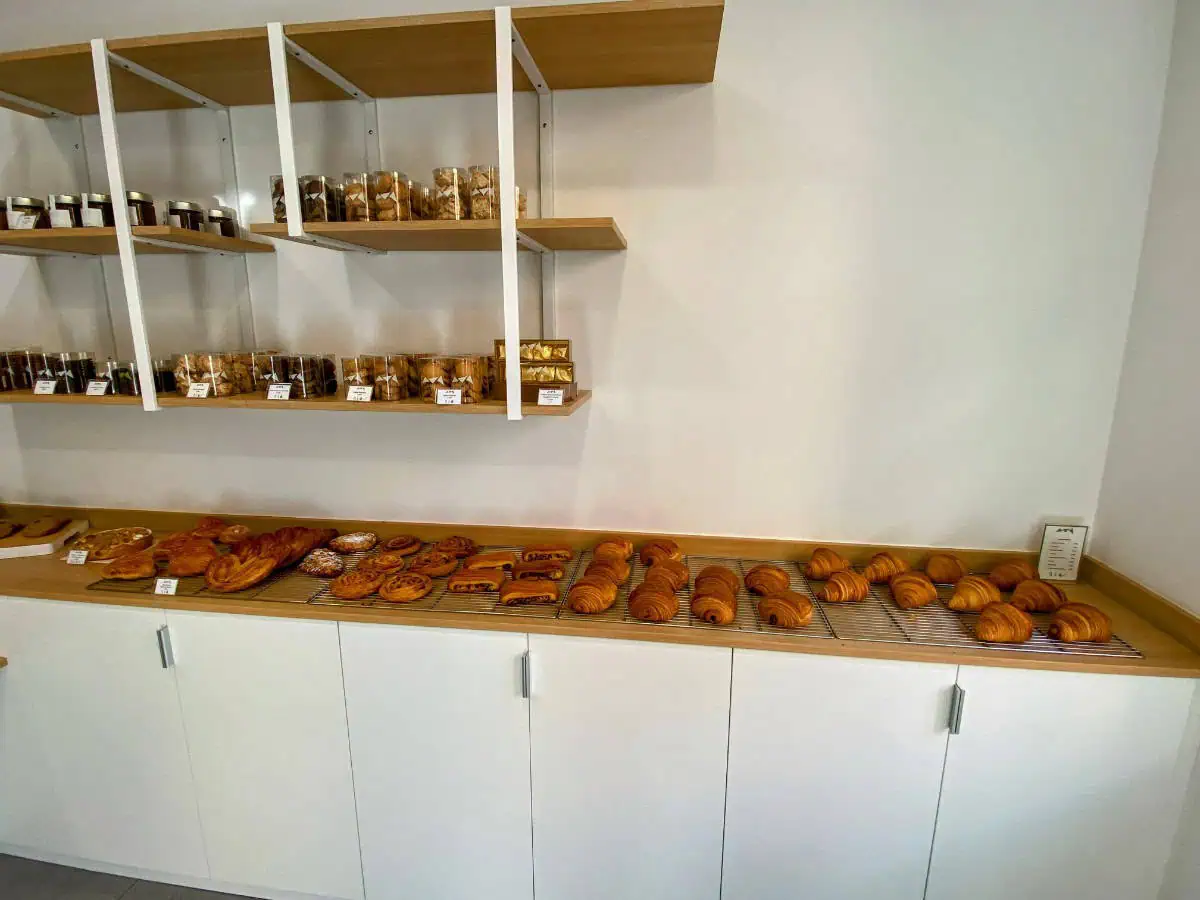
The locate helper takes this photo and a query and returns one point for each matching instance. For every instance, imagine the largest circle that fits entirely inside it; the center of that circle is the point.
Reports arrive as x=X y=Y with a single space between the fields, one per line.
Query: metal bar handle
x=526 y=677
x=165 y=652
x=958 y=699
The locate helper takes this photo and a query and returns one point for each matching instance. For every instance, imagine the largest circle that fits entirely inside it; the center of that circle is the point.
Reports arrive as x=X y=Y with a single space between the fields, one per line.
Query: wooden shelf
x=103 y=241
x=555 y=234
x=332 y=404
x=69 y=399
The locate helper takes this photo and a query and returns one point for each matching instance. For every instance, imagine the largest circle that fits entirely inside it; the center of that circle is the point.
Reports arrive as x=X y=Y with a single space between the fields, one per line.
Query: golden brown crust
x=1035 y=595
x=973 y=593
x=457 y=545
x=671 y=572
x=131 y=566
x=653 y=603
x=322 y=563
x=944 y=568
x=1008 y=575
x=383 y=563
x=233 y=534
x=846 y=586
x=824 y=563
x=229 y=573
x=548 y=569
x=786 y=609
x=528 y=590
x=45 y=526
x=912 y=590
x=433 y=563
x=477 y=582
x=550 y=552
x=767 y=579
x=613 y=568
x=722 y=574
x=115 y=542
x=716 y=604
x=502 y=559
x=405 y=587
x=209 y=528
x=192 y=559
x=1003 y=623
x=883 y=567
x=355 y=542
x=8 y=529
x=621 y=548
x=1081 y=622
x=591 y=594
x=355 y=585
x=655 y=551
x=406 y=544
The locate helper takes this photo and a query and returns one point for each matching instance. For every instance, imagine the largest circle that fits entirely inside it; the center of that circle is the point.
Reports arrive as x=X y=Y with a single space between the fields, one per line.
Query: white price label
x=360 y=393
x=166 y=586
x=61 y=218
x=280 y=390
x=199 y=390
x=21 y=221
x=97 y=388
x=550 y=396
x=45 y=386
x=449 y=397
x=77 y=557
x=93 y=218
x=1062 y=551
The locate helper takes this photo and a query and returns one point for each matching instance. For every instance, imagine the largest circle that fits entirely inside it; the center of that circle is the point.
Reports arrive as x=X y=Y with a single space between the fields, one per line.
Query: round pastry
x=716 y=607
x=457 y=545
x=621 y=548
x=972 y=593
x=131 y=566
x=404 y=544
x=385 y=562
x=233 y=534
x=355 y=585
x=8 y=529
x=912 y=590
x=824 y=563
x=883 y=567
x=767 y=579
x=45 y=526
x=613 y=568
x=945 y=568
x=592 y=594
x=192 y=559
x=1008 y=575
x=323 y=564
x=1080 y=622
x=115 y=542
x=787 y=609
x=672 y=571
x=653 y=603
x=229 y=574
x=209 y=528
x=658 y=550
x=1035 y=595
x=433 y=563
x=721 y=574
x=846 y=586
x=355 y=542
x=405 y=587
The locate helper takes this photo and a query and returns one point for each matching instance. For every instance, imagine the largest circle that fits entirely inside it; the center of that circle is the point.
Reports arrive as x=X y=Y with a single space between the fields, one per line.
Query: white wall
x=877 y=289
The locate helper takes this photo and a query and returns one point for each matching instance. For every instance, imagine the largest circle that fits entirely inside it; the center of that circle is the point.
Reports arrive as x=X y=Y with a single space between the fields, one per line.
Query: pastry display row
x=90 y=210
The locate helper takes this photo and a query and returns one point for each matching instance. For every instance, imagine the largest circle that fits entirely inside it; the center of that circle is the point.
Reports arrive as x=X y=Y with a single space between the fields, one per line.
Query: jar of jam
x=73 y=372
x=141 y=208
x=222 y=221
x=25 y=213
x=66 y=211
x=97 y=211
x=185 y=214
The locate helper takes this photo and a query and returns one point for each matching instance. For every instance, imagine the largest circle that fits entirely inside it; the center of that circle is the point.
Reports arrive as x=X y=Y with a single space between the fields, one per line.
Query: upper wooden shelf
x=103 y=241
x=554 y=234
x=589 y=45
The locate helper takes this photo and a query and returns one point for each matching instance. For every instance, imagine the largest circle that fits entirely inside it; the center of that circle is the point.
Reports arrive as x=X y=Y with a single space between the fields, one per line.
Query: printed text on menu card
x=1062 y=551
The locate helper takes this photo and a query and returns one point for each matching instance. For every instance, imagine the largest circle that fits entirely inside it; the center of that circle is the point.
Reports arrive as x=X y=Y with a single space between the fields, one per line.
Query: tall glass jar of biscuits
x=450 y=193
x=391 y=197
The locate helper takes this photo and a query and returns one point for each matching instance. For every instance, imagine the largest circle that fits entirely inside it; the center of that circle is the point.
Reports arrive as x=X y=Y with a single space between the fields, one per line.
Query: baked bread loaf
x=555 y=571
x=551 y=552
x=621 y=548
x=229 y=574
x=767 y=579
x=192 y=559
x=944 y=568
x=653 y=603
x=115 y=543
x=457 y=545
x=1008 y=575
x=355 y=585
x=972 y=593
x=824 y=563
x=883 y=567
x=1080 y=622
x=718 y=574
x=503 y=559
x=528 y=590
x=591 y=594
x=846 y=586
x=8 y=529
x=658 y=550
x=912 y=590
x=671 y=572
x=322 y=564
x=715 y=603
x=405 y=587
x=131 y=566
x=433 y=563
x=354 y=542
x=477 y=582
x=45 y=526
x=1003 y=623
x=786 y=609
x=233 y=534
x=403 y=543
x=1035 y=595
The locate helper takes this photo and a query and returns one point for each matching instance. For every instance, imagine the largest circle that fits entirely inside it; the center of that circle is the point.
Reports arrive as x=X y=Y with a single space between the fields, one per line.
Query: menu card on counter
x=1062 y=551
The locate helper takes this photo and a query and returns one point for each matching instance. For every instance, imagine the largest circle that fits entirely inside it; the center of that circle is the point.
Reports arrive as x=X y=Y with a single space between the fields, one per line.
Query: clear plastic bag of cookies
x=242 y=372
x=391 y=376
x=484 y=181
x=391 y=197
x=318 y=199
x=329 y=371
x=278 y=200
x=358 y=371
x=469 y=375
x=213 y=369
x=308 y=376
x=436 y=373
x=358 y=196
x=278 y=369
x=450 y=193
x=260 y=368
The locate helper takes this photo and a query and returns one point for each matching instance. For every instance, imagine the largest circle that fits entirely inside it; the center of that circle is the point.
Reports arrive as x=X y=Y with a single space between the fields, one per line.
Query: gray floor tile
x=27 y=879
x=150 y=890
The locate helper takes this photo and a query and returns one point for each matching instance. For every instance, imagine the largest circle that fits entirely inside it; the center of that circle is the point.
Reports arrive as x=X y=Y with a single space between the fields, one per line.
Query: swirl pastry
x=613 y=568
x=45 y=526
x=1080 y=622
x=233 y=534
x=405 y=587
x=209 y=528
x=846 y=586
x=433 y=563
x=457 y=545
x=824 y=563
x=355 y=585
x=322 y=564
x=115 y=542
x=973 y=593
x=1035 y=595
x=477 y=582
x=192 y=559
x=912 y=590
x=383 y=563
x=551 y=552
x=1003 y=623
x=229 y=574
x=719 y=574
x=656 y=551
x=671 y=572
x=767 y=579
x=653 y=603
x=883 y=567
x=131 y=566
x=528 y=590
x=716 y=606
x=548 y=569
x=1008 y=575
x=591 y=594
x=502 y=559
x=403 y=543
x=354 y=542
x=944 y=568
x=621 y=548
x=787 y=609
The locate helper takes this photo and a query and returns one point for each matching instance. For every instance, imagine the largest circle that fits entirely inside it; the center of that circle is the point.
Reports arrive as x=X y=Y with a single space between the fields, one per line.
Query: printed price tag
x=166 y=585
x=93 y=218
x=77 y=557
x=199 y=390
x=1062 y=551
x=280 y=390
x=550 y=396
x=45 y=386
x=60 y=218
x=360 y=393
x=97 y=388
x=449 y=397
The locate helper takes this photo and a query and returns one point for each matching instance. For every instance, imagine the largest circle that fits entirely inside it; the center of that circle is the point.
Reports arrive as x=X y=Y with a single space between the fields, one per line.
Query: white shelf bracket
x=163 y=82
x=508 y=210
x=34 y=106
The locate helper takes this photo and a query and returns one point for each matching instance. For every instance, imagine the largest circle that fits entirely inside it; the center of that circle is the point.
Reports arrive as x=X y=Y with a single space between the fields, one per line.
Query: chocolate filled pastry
x=720 y=574
x=767 y=579
x=384 y=563
x=555 y=571
x=234 y=534
x=621 y=548
x=716 y=605
x=972 y=593
x=1008 y=575
x=613 y=568
x=912 y=590
x=44 y=527
x=115 y=543
x=433 y=563
x=457 y=545
x=944 y=568
x=1003 y=623
x=1080 y=622
x=131 y=566
x=355 y=585
x=669 y=571
x=209 y=528
x=501 y=559
x=355 y=542
x=883 y=567
x=786 y=609
x=845 y=587
x=1035 y=595
x=656 y=551
x=229 y=574
x=528 y=590
x=824 y=563
x=591 y=595
x=478 y=582
x=653 y=603
x=405 y=587
x=192 y=559
x=553 y=552
x=8 y=529
x=403 y=543
x=323 y=564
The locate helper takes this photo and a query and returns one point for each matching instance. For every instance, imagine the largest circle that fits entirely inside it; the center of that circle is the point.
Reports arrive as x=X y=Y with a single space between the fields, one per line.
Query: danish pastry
x=786 y=609
x=115 y=542
x=653 y=603
x=591 y=594
x=167 y=546
x=548 y=569
x=1003 y=623
x=323 y=564
x=720 y=574
x=883 y=567
x=528 y=590
x=824 y=563
x=233 y=534
x=229 y=574
x=383 y=563
x=656 y=551
x=944 y=568
x=355 y=585
x=45 y=526
x=912 y=590
x=500 y=560
x=1008 y=575
x=457 y=545
x=716 y=606
x=433 y=563
x=613 y=568
x=846 y=586
x=131 y=566
x=1080 y=622
x=405 y=587
x=209 y=528
x=1035 y=595
x=192 y=559
x=8 y=529
x=355 y=542
x=972 y=593
x=767 y=579
x=403 y=543
x=551 y=552
x=621 y=548
x=478 y=582
x=669 y=571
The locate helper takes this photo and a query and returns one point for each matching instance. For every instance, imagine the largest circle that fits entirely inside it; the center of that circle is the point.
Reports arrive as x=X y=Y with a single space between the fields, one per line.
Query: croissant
x=1008 y=575
x=719 y=574
x=824 y=563
x=973 y=593
x=591 y=594
x=845 y=587
x=654 y=551
x=613 y=568
x=1035 y=595
x=621 y=548
x=786 y=609
x=716 y=607
x=1076 y=622
x=1003 y=623
x=653 y=603
x=671 y=572
x=944 y=568
x=911 y=590
x=883 y=567
x=767 y=579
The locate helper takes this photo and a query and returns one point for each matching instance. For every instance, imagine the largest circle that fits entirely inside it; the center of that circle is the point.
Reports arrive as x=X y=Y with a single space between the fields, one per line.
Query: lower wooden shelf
x=554 y=234
x=68 y=399
x=335 y=404
x=103 y=241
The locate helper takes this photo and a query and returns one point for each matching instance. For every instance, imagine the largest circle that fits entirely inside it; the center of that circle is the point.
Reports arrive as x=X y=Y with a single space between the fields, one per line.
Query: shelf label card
x=45 y=386
x=166 y=585
x=550 y=396
x=198 y=390
x=93 y=217
x=360 y=393
x=77 y=557
x=1062 y=551
x=97 y=387
x=280 y=390
x=448 y=397
x=61 y=218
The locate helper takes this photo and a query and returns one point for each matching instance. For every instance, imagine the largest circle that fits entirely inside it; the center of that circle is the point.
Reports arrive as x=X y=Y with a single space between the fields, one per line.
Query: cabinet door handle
x=165 y=652
x=526 y=677
x=958 y=699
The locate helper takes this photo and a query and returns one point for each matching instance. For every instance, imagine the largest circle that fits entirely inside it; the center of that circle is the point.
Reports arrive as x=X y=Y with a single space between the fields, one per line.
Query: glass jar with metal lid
x=97 y=211
x=24 y=213
x=222 y=221
x=185 y=214
x=73 y=371
x=66 y=211
x=141 y=208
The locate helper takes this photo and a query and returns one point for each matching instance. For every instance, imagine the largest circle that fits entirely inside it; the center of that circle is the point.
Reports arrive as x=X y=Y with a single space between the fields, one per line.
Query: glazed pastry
x=384 y=562
x=233 y=534
x=621 y=548
x=613 y=568
x=267 y=545
x=1008 y=575
x=1035 y=595
x=883 y=567
x=786 y=609
x=528 y=590
x=457 y=545
x=824 y=563
x=209 y=528
x=355 y=542
x=132 y=566
x=115 y=543
x=500 y=560
x=912 y=590
x=323 y=564
x=44 y=527
x=229 y=573
x=193 y=559
x=767 y=579
x=1003 y=623
x=554 y=553
x=846 y=586
x=474 y=582
x=296 y=541
x=433 y=563
x=167 y=546
x=8 y=529
x=355 y=585
x=944 y=568
x=1080 y=622
x=591 y=594
x=973 y=593
x=403 y=543
x=653 y=603
x=720 y=574
x=655 y=551
x=548 y=569
x=670 y=571
x=405 y=587
x=716 y=606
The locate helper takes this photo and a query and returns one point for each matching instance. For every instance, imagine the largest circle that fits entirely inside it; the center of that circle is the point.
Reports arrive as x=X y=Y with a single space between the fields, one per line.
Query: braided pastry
x=716 y=606
x=405 y=587
x=912 y=590
x=1077 y=622
x=670 y=571
x=721 y=575
x=1008 y=575
x=883 y=567
x=973 y=593
x=1003 y=623
x=786 y=609
x=653 y=603
x=845 y=587
x=621 y=548
x=944 y=568
x=824 y=563
x=591 y=594
x=1035 y=595
x=767 y=579
x=229 y=574
x=613 y=568
x=655 y=551
x=233 y=534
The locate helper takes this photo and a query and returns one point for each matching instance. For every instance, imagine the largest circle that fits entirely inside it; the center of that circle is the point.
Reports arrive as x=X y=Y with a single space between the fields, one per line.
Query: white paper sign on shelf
x=45 y=386
x=198 y=390
x=550 y=396
x=77 y=557
x=61 y=218
x=166 y=586
x=360 y=393
x=1062 y=551
x=449 y=397
x=97 y=388
x=280 y=390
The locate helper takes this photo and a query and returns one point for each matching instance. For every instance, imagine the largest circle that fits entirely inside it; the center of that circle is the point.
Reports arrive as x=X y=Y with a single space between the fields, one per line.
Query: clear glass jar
x=358 y=371
x=450 y=193
x=97 y=211
x=484 y=181
x=261 y=374
x=213 y=369
x=469 y=374
x=25 y=213
x=436 y=373
x=164 y=376
x=240 y=371
x=391 y=376
x=123 y=376
x=10 y=363
x=318 y=199
x=66 y=211
x=391 y=197
x=73 y=371
x=358 y=190
x=185 y=214
x=141 y=208
x=329 y=371
x=21 y=363
x=279 y=199
x=223 y=221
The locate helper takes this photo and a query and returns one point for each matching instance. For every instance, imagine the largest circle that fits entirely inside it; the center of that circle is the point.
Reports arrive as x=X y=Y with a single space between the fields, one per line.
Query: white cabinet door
x=1061 y=786
x=629 y=748
x=93 y=759
x=834 y=767
x=266 y=725
x=439 y=734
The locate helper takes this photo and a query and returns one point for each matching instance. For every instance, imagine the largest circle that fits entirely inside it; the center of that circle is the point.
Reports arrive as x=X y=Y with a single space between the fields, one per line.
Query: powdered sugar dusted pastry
x=355 y=542
x=323 y=564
